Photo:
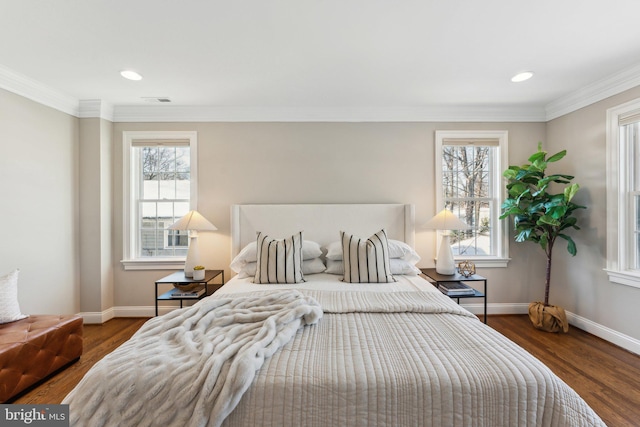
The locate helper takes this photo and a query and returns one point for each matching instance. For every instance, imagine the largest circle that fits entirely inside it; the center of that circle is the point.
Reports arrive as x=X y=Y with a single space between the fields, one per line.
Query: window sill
x=484 y=262
x=153 y=264
x=627 y=278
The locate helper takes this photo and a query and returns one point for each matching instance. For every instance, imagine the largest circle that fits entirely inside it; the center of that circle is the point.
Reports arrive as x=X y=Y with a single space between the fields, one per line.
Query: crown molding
x=95 y=108
x=43 y=94
x=36 y=91
x=597 y=91
x=169 y=113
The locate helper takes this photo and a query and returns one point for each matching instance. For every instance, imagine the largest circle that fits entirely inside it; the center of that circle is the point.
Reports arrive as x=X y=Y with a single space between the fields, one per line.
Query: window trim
x=501 y=259
x=619 y=169
x=129 y=261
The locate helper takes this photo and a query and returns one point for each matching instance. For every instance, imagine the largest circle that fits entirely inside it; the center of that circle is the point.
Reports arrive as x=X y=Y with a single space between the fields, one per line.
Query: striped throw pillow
x=366 y=260
x=279 y=260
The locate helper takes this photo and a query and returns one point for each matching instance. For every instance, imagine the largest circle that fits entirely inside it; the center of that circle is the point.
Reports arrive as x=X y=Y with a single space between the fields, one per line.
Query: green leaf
x=512 y=211
x=511 y=172
x=521 y=222
x=569 y=223
x=555 y=200
x=549 y=220
x=526 y=194
x=544 y=240
x=523 y=235
x=570 y=191
x=557 y=156
x=560 y=178
x=540 y=191
x=557 y=212
x=539 y=165
x=539 y=156
x=517 y=188
x=571 y=245
x=536 y=207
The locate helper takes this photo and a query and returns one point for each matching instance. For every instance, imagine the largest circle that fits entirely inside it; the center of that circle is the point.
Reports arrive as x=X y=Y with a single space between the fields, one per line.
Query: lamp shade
x=446 y=220
x=193 y=221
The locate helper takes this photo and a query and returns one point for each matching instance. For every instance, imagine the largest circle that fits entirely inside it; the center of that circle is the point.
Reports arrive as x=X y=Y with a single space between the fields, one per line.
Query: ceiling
x=331 y=57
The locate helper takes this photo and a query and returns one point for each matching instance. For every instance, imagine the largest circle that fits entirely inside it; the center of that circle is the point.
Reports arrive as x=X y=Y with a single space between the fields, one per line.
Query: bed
x=394 y=353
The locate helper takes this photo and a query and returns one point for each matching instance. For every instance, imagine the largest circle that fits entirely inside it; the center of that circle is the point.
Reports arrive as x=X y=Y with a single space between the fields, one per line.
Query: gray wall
x=39 y=194
x=580 y=284
x=316 y=163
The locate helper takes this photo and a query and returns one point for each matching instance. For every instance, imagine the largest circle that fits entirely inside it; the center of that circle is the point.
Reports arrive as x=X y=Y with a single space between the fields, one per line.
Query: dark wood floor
x=606 y=376
x=99 y=340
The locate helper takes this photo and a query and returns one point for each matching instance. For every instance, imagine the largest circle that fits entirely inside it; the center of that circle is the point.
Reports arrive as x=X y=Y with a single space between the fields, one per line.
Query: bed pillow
x=9 y=307
x=249 y=253
x=366 y=260
x=311 y=266
x=279 y=260
x=398 y=266
x=397 y=249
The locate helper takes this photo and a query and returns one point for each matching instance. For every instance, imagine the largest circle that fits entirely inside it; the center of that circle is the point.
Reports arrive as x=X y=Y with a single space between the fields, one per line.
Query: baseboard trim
x=496 y=308
x=621 y=340
x=628 y=343
x=94 y=317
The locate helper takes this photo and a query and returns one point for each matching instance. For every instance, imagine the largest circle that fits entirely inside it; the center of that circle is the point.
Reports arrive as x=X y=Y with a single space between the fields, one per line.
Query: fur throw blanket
x=190 y=367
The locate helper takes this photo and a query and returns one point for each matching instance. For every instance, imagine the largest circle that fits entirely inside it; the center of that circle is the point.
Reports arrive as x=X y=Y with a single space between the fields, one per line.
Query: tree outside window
x=465 y=182
x=159 y=188
x=164 y=198
x=468 y=183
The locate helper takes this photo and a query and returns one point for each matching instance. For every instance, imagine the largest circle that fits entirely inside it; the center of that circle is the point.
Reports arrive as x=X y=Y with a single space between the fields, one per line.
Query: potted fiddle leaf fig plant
x=542 y=217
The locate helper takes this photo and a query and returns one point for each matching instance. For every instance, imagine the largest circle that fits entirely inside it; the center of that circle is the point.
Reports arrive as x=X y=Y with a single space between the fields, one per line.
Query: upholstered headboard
x=320 y=223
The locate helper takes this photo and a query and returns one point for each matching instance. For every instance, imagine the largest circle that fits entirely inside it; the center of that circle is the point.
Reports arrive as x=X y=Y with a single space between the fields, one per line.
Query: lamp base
x=193 y=256
x=445 y=264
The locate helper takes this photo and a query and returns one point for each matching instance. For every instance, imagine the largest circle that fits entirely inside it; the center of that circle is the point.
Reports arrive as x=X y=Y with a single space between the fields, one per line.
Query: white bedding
x=190 y=367
x=330 y=282
x=393 y=354
x=402 y=368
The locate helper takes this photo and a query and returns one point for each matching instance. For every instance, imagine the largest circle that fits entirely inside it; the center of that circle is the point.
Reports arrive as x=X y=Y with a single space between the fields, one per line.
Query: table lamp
x=192 y=222
x=446 y=220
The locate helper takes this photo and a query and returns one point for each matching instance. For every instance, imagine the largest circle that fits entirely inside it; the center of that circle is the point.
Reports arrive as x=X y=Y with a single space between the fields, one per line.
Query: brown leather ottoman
x=32 y=348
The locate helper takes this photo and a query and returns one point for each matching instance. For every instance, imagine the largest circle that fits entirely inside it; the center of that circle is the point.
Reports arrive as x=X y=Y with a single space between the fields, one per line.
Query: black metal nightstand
x=179 y=278
x=435 y=279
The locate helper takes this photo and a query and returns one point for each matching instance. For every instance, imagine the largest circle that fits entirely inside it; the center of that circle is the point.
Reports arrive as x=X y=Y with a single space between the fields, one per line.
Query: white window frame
x=130 y=261
x=499 y=228
x=620 y=207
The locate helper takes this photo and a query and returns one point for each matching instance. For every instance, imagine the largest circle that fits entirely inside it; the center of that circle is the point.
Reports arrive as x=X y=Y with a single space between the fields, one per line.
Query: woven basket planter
x=548 y=318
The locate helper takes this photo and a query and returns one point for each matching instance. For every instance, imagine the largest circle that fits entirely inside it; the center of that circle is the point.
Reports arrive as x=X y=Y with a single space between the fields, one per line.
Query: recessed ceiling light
x=131 y=75
x=520 y=77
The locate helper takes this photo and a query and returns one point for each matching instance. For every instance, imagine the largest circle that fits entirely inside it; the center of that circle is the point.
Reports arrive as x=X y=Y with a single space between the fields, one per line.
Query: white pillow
x=311 y=266
x=9 y=307
x=366 y=260
x=279 y=260
x=310 y=250
x=398 y=266
x=397 y=249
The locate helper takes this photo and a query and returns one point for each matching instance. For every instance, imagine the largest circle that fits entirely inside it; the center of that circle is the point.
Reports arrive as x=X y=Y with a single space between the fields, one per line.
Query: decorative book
x=178 y=293
x=456 y=288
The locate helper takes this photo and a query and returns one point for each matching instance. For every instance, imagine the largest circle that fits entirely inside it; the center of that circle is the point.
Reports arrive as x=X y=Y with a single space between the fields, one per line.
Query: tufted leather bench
x=32 y=348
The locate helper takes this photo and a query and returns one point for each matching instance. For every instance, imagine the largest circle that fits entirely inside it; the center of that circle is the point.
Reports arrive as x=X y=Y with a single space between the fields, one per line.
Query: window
x=469 y=167
x=623 y=194
x=159 y=188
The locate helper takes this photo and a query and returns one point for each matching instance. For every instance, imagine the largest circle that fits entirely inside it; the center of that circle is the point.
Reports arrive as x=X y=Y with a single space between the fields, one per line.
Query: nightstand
x=435 y=279
x=179 y=278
